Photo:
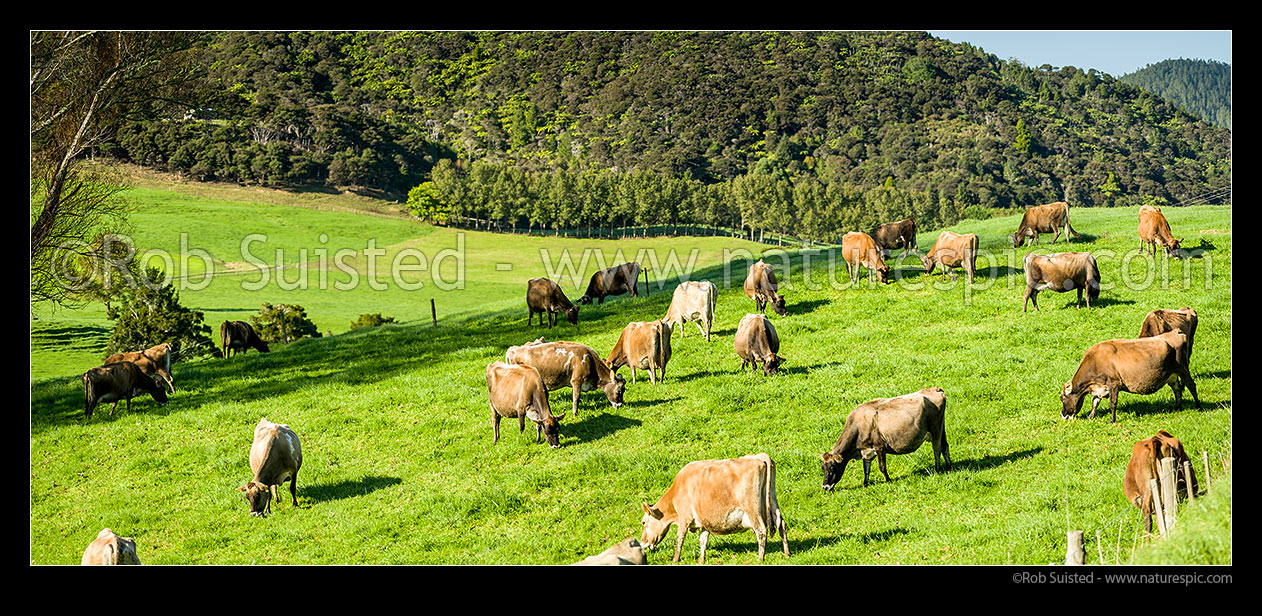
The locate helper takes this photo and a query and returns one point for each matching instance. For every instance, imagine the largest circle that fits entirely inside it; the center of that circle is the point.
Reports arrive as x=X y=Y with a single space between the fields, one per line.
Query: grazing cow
x=1060 y=272
x=628 y=552
x=1142 y=366
x=1154 y=229
x=757 y=342
x=1145 y=465
x=119 y=381
x=275 y=458
x=546 y=297
x=153 y=361
x=517 y=391
x=894 y=235
x=761 y=286
x=239 y=336
x=952 y=250
x=1161 y=321
x=889 y=425
x=1050 y=218
x=110 y=549
x=721 y=497
x=616 y=280
x=512 y=350
x=573 y=365
x=858 y=248
x=644 y=345
x=693 y=301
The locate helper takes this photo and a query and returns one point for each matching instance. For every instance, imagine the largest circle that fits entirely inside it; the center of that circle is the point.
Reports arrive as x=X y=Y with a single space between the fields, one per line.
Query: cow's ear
x=651 y=511
x=241 y=488
x=827 y=456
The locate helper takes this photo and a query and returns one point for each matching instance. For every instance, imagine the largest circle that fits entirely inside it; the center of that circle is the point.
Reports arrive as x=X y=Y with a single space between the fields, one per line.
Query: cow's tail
x=1093 y=278
x=645 y=272
x=223 y=337
x=769 y=497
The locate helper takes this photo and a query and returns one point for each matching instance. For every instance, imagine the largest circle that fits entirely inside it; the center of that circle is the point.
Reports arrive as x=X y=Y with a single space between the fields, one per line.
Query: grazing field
x=396 y=434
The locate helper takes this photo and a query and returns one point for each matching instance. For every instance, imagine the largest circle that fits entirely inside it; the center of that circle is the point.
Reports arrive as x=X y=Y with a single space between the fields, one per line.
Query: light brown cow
x=275 y=457
x=1159 y=322
x=757 y=342
x=1060 y=272
x=889 y=425
x=693 y=301
x=720 y=497
x=616 y=280
x=153 y=361
x=118 y=381
x=628 y=552
x=573 y=365
x=1141 y=366
x=512 y=350
x=1050 y=218
x=761 y=286
x=1154 y=229
x=1145 y=465
x=110 y=549
x=517 y=392
x=643 y=345
x=895 y=235
x=952 y=250
x=858 y=248
x=544 y=296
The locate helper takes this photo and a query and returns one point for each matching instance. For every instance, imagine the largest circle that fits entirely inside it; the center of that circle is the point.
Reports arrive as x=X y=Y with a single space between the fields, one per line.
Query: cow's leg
x=867 y=470
x=293 y=487
x=880 y=460
x=679 y=538
x=632 y=375
x=495 y=426
x=1079 y=304
x=1113 y=403
x=530 y=317
x=761 y=535
x=1177 y=385
x=1186 y=378
x=538 y=433
x=784 y=531
x=521 y=423
x=652 y=375
x=1095 y=403
x=577 y=387
x=705 y=538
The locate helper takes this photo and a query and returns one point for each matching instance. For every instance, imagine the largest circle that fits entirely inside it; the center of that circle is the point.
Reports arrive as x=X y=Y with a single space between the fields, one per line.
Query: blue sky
x=1116 y=52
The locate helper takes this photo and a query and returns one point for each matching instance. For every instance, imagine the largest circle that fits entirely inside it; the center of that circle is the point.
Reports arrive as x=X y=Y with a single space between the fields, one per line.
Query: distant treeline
x=1200 y=87
x=835 y=126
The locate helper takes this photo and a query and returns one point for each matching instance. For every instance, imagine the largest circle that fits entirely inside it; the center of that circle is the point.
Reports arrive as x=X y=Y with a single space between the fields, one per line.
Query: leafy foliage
x=147 y=312
x=1200 y=87
x=283 y=323
x=371 y=320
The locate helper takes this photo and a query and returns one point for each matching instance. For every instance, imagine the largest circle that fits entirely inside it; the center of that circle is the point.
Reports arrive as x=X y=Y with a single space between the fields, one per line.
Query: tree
x=371 y=320
x=1022 y=142
x=83 y=84
x=283 y=323
x=148 y=313
x=425 y=203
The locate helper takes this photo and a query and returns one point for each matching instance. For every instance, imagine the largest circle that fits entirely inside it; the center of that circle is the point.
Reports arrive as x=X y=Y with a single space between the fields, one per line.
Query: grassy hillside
x=399 y=465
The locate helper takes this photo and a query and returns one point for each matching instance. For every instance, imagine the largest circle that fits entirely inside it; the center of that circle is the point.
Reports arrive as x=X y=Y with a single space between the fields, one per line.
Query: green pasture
x=399 y=467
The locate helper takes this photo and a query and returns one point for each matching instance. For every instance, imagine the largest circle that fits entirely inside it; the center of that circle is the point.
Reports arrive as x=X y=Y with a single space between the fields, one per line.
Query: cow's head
x=777 y=304
x=772 y=364
x=833 y=466
x=259 y=496
x=655 y=524
x=262 y=346
x=1175 y=249
x=571 y=315
x=929 y=263
x=1018 y=238
x=883 y=273
x=552 y=430
x=159 y=393
x=586 y=299
x=1070 y=401
x=614 y=389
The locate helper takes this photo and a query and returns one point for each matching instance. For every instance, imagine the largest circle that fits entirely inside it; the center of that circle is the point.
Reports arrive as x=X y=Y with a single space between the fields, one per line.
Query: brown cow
x=616 y=280
x=894 y=235
x=546 y=297
x=1060 y=272
x=512 y=350
x=119 y=381
x=517 y=392
x=628 y=552
x=275 y=457
x=155 y=360
x=1154 y=229
x=1053 y=217
x=110 y=549
x=1145 y=465
x=720 y=497
x=573 y=365
x=858 y=248
x=693 y=301
x=952 y=250
x=1161 y=321
x=889 y=425
x=239 y=336
x=644 y=345
x=757 y=342
x=761 y=286
x=1141 y=366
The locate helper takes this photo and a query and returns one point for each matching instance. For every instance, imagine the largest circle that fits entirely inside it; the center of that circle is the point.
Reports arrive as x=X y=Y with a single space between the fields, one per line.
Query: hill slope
x=1200 y=87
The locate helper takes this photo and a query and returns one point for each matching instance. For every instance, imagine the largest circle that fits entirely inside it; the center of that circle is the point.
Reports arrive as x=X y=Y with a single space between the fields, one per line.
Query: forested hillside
x=1200 y=87
x=803 y=133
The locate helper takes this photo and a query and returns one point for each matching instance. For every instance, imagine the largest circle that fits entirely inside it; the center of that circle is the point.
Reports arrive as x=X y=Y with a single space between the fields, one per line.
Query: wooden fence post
x=1169 y=491
x=1099 y=546
x=1154 y=490
x=1073 y=553
x=1187 y=479
x=433 y=312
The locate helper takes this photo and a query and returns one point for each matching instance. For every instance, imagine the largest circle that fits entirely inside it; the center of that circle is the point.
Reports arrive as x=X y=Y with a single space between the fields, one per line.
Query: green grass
x=1201 y=535
x=399 y=465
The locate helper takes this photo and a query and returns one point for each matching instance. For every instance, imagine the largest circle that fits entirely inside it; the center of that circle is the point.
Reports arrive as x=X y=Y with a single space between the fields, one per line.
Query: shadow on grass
x=806 y=307
x=596 y=427
x=745 y=543
x=978 y=464
x=346 y=488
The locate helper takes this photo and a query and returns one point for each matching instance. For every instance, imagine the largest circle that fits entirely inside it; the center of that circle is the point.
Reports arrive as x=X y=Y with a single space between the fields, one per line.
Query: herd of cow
x=727 y=496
